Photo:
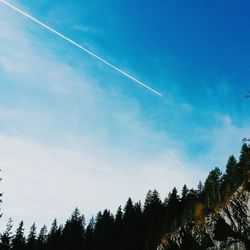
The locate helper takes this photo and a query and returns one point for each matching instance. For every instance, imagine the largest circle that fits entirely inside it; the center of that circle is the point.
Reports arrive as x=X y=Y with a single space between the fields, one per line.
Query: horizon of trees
x=136 y=226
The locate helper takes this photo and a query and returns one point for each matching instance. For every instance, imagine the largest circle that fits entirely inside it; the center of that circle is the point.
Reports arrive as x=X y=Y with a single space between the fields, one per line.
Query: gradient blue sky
x=68 y=122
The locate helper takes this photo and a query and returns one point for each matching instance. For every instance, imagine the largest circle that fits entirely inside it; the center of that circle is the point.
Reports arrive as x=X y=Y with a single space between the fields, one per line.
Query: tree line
x=136 y=226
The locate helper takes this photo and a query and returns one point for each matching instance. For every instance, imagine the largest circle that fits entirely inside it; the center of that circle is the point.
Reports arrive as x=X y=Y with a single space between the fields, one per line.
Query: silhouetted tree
x=42 y=239
x=89 y=235
x=54 y=241
x=104 y=230
x=173 y=209
x=18 y=242
x=232 y=175
x=73 y=232
x=31 y=240
x=244 y=161
x=212 y=187
x=6 y=237
x=153 y=213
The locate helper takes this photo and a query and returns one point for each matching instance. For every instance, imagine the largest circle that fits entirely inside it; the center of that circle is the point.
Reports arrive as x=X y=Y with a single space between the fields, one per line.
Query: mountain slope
x=227 y=228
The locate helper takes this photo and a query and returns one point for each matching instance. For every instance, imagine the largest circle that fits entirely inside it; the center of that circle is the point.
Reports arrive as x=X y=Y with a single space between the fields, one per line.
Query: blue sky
x=66 y=117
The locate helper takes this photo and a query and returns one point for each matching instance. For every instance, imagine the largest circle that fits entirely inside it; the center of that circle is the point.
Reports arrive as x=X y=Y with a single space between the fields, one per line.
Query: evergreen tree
x=104 y=230
x=192 y=199
x=153 y=213
x=200 y=189
x=31 y=240
x=42 y=239
x=6 y=237
x=73 y=232
x=89 y=235
x=212 y=187
x=54 y=237
x=244 y=161
x=118 y=226
x=184 y=194
x=232 y=175
x=18 y=242
x=130 y=225
x=173 y=209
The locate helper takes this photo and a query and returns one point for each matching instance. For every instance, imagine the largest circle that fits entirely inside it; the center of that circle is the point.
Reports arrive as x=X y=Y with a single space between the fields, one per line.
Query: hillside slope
x=228 y=228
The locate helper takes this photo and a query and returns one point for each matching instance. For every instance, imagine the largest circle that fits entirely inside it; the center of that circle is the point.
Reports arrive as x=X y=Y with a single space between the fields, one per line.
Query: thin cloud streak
x=81 y=47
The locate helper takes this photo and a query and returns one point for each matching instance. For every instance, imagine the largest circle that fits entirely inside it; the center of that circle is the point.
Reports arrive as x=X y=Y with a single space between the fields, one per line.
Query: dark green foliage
x=54 y=237
x=131 y=225
x=174 y=209
x=73 y=232
x=212 y=188
x=6 y=237
x=18 y=242
x=244 y=161
x=104 y=230
x=31 y=240
x=42 y=239
x=89 y=235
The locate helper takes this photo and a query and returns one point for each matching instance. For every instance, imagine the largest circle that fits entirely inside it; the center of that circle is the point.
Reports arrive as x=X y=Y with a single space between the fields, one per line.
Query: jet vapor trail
x=80 y=47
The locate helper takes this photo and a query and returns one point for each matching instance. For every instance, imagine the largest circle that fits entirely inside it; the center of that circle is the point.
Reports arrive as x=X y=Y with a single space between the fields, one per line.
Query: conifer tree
x=118 y=226
x=232 y=175
x=200 y=189
x=212 y=187
x=184 y=194
x=89 y=235
x=6 y=237
x=31 y=240
x=73 y=232
x=173 y=208
x=18 y=242
x=244 y=161
x=42 y=239
x=54 y=237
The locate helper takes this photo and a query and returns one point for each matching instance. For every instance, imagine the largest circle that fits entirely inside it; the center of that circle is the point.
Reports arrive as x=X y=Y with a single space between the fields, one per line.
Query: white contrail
x=80 y=47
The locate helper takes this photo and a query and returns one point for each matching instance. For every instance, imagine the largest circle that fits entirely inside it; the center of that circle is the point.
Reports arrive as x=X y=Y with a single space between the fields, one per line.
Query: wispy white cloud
x=41 y=182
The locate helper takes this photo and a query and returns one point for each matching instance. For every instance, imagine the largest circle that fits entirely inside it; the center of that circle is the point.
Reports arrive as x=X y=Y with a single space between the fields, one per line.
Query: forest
x=136 y=226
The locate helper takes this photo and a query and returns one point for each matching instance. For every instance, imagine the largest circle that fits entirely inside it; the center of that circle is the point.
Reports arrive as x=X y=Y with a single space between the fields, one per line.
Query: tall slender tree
x=42 y=239
x=73 y=232
x=54 y=240
x=6 y=237
x=31 y=240
x=19 y=242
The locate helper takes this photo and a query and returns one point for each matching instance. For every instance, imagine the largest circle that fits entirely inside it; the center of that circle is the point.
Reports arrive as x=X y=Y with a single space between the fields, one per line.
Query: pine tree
x=244 y=161
x=31 y=240
x=89 y=235
x=184 y=194
x=232 y=175
x=173 y=208
x=153 y=213
x=54 y=237
x=73 y=232
x=104 y=230
x=200 y=189
x=118 y=226
x=18 y=242
x=212 y=187
x=6 y=237
x=42 y=239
